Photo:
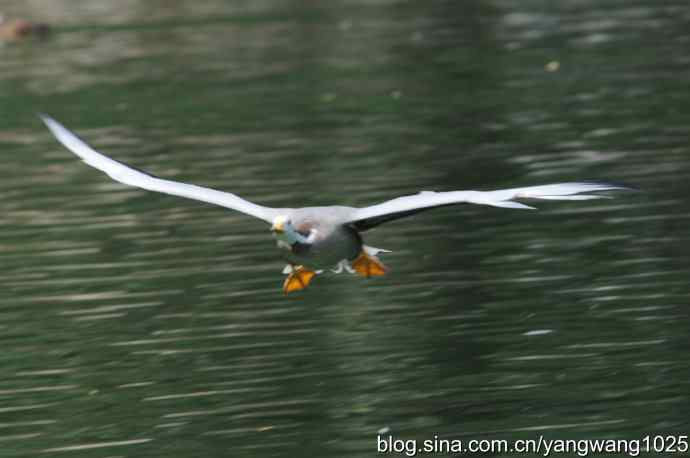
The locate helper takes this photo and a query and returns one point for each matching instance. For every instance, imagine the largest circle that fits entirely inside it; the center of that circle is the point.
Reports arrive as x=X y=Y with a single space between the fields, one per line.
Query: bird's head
x=283 y=230
x=281 y=224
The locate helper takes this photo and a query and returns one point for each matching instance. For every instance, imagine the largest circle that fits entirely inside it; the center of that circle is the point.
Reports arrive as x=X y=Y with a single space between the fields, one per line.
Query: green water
x=135 y=324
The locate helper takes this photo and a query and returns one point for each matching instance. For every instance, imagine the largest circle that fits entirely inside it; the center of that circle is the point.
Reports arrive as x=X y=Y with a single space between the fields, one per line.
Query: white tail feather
x=372 y=251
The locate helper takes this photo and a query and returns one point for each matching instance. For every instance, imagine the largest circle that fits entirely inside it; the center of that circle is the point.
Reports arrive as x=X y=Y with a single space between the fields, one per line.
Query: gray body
x=332 y=239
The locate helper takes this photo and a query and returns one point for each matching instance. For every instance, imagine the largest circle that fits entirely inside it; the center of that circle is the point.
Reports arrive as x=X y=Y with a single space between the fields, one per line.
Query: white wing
x=368 y=217
x=124 y=174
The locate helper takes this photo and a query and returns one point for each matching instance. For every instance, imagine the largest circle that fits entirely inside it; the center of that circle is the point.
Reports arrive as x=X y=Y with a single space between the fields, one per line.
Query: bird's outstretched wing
x=369 y=217
x=127 y=175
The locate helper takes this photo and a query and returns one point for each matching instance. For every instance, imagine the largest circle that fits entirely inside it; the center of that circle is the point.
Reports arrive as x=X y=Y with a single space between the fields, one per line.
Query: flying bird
x=314 y=239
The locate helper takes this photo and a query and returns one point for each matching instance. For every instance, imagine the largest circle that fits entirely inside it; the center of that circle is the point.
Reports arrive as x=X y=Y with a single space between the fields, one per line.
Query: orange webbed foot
x=369 y=266
x=298 y=279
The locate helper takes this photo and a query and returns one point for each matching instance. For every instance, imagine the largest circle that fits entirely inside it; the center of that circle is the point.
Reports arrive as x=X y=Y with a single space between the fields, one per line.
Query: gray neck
x=291 y=236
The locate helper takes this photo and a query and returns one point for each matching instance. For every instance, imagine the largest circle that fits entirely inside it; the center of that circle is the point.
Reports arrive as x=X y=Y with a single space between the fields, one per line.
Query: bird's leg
x=368 y=266
x=348 y=267
x=343 y=265
x=298 y=279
